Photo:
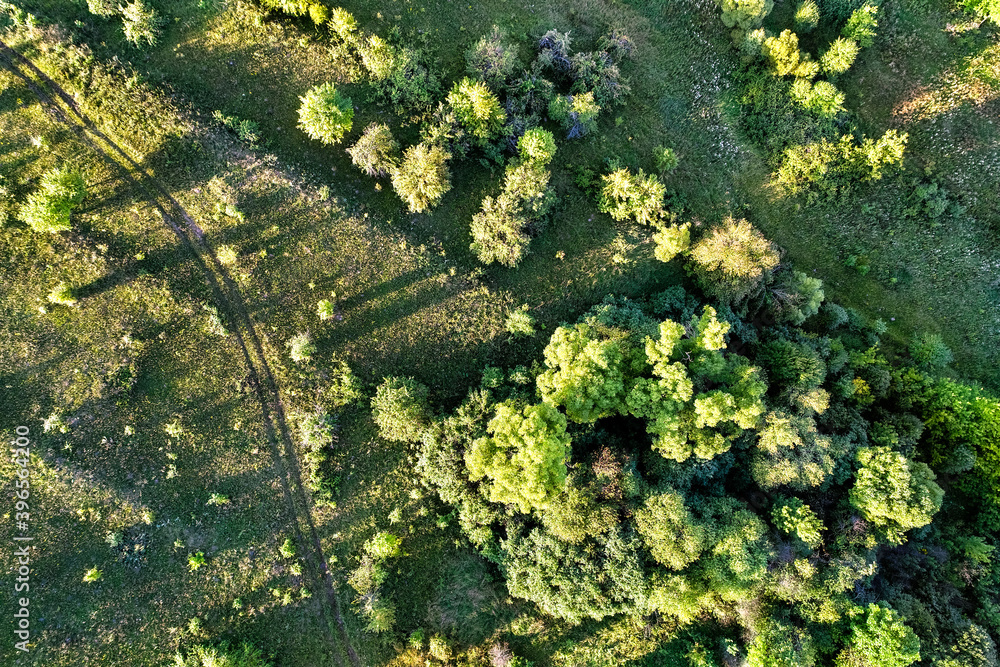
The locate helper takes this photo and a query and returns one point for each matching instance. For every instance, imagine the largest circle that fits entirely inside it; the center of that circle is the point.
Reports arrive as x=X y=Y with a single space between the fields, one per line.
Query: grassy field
x=138 y=352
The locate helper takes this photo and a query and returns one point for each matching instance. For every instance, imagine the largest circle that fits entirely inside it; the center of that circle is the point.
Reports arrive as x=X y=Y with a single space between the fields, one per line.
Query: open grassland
x=140 y=350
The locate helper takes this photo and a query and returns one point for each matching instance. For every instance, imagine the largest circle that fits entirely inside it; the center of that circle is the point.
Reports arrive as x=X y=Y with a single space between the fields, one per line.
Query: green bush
x=221 y=656
x=666 y=160
x=102 y=7
x=822 y=97
x=520 y=322
x=861 y=26
x=806 y=17
x=987 y=9
x=576 y=113
x=384 y=546
x=744 y=15
x=376 y=153
x=879 y=638
x=301 y=348
x=493 y=59
x=477 y=109
x=49 y=208
x=62 y=294
x=839 y=56
x=422 y=177
x=930 y=351
x=639 y=197
x=671 y=241
x=141 y=23
x=400 y=409
x=734 y=261
x=325 y=114
x=537 y=146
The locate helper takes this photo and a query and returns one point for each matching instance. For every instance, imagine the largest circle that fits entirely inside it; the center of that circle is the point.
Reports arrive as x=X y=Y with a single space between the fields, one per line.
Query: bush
x=822 y=97
x=987 y=9
x=929 y=351
x=301 y=348
x=422 y=178
x=477 y=109
x=287 y=548
x=806 y=17
x=861 y=26
x=537 y=145
x=48 y=209
x=221 y=656
x=196 y=560
x=734 y=261
x=576 y=113
x=671 y=241
x=839 y=57
x=101 y=7
x=666 y=160
x=493 y=59
x=141 y=23
x=376 y=152
x=62 y=294
x=384 y=546
x=637 y=196
x=782 y=52
x=520 y=322
x=400 y=409
x=325 y=114
x=92 y=575
x=744 y=15
x=554 y=51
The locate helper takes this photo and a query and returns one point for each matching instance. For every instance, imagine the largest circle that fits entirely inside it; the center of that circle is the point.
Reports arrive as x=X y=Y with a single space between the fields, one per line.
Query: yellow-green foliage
x=325 y=114
x=422 y=177
x=626 y=195
x=734 y=260
x=49 y=208
x=477 y=109
x=525 y=457
x=893 y=492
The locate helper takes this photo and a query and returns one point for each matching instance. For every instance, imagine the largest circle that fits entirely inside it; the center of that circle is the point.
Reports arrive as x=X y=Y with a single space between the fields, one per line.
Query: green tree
x=636 y=196
x=806 y=16
x=376 y=153
x=778 y=643
x=48 y=209
x=782 y=52
x=860 y=27
x=101 y=7
x=744 y=15
x=987 y=9
x=839 y=56
x=671 y=241
x=493 y=59
x=221 y=656
x=537 y=146
x=477 y=109
x=422 y=178
x=735 y=564
x=525 y=457
x=400 y=409
x=501 y=230
x=793 y=517
x=586 y=373
x=577 y=113
x=670 y=531
x=325 y=114
x=930 y=351
x=797 y=297
x=894 y=493
x=822 y=97
x=520 y=322
x=879 y=638
x=734 y=261
x=790 y=452
x=141 y=23
x=378 y=57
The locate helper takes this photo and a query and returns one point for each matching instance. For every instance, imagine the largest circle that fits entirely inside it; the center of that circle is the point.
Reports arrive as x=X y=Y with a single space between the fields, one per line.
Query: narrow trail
x=230 y=302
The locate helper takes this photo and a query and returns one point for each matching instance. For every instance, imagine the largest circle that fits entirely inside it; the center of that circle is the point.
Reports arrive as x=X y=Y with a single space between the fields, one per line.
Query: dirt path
x=230 y=302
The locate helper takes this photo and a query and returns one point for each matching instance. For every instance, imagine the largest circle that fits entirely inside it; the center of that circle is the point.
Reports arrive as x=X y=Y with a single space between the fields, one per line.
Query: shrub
x=196 y=560
x=325 y=114
x=493 y=59
x=440 y=648
x=987 y=9
x=782 y=52
x=227 y=255
x=287 y=548
x=92 y=575
x=378 y=57
x=422 y=178
x=500 y=229
x=576 y=113
x=141 y=23
x=325 y=309
x=319 y=13
x=343 y=25
x=839 y=57
x=636 y=196
x=221 y=656
x=376 y=152
x=62 y=294
x=734 y=261
x=554 y=51
x=666 y=159
x=797 y=297
x=671 y=241
x=806 y=16
x=48 y=209
x=520 y=322
x=301 y=348
x=101 y=7
x=477 y=109
x=822 y=97
x=537 y=145
x=384 y=546
x=861 y=26
x=400 y=409
x=929 y=351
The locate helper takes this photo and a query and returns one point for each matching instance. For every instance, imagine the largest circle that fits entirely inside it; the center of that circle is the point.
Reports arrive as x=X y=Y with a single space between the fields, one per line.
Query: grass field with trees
x=422 y=332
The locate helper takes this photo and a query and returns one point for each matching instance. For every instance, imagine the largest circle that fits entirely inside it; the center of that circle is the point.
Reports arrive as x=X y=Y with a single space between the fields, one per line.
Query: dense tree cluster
x=669 y=457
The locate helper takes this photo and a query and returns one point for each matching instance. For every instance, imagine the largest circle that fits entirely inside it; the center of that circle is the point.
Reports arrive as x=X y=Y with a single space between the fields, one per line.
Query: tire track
x=229 y=301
